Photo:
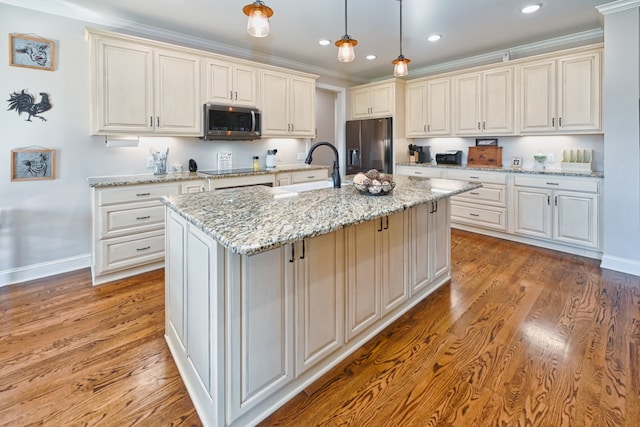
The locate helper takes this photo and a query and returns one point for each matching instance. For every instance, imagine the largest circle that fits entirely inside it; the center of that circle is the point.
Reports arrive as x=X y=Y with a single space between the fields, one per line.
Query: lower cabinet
x=377 y=279
x=563 y=210
x=249 y=332
x=288 y=178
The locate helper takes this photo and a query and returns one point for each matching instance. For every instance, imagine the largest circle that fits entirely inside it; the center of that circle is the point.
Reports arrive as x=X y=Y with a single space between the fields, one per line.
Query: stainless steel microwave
x=224 y=122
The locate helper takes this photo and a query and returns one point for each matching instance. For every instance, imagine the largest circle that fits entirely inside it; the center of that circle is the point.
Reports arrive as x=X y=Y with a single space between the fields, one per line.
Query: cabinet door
x=319 y=293
x=361 y=103
x=218 y=82
x=579 y=95
x=416 y=110
x=532 y=212
x=261 y=322
x=302 y=107
x=576 y=218
x=498 y=102
x=275 y=100
x=382 y=98
x=468 y=104
x=363 y=292
x=438 y=107
x=538 y=97
x=123 y=98
x=175 y=274
x=394 y=252
x=420 y=247
x=178 y=103
x=245 y=87
x=440 y=239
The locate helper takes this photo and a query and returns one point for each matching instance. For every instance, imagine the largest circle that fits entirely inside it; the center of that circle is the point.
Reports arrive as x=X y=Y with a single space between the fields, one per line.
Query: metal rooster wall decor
x=24 y=102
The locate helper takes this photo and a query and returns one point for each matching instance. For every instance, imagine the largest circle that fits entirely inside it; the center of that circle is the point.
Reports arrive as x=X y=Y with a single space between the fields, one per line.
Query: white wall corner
x=623 y=265
x=44 y=269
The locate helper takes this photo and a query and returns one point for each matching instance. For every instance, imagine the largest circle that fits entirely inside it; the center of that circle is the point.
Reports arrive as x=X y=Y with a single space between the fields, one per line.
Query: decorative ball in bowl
x=374 y=183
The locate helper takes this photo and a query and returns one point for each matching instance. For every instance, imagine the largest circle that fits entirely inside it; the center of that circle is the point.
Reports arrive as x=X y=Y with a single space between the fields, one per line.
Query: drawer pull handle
x=417 y=172
x=310 y=177
x=472 y=214
x=143 y=217
x=474 y=193
x=143 y=194
x=143 y=249
x=553 y=183
x=474 y=177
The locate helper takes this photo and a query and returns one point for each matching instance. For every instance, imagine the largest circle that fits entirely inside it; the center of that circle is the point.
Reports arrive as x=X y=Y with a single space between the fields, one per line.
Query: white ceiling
x=469 y=28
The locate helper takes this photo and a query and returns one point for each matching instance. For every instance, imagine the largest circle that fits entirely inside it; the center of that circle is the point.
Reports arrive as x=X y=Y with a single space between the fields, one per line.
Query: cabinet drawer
x=312 y=175
x=124 y=252
x=488 y=194
x=475 y=176
x=425 y=172
x=588 y=185
x=135 y=193
x=131 y=218
x=482 y=217
x=197 y=186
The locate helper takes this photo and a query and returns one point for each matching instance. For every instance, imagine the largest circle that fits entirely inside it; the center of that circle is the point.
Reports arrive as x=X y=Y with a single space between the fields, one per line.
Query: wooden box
x=485 y=156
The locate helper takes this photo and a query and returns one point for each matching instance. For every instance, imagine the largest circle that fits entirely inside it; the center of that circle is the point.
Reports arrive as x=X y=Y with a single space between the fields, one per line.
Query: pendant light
x=346 y=43
x=400 y=64
x=259 y=14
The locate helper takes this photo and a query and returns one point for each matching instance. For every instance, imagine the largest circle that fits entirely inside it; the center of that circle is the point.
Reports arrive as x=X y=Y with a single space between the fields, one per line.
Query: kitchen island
x=266 y=290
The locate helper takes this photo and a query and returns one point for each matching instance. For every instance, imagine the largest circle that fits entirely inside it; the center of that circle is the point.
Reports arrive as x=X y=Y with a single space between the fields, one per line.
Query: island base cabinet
x=259 y=329
x=193 y=313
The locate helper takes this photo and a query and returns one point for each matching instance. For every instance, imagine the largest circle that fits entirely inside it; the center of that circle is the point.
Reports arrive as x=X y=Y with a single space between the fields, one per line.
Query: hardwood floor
x=522 y=336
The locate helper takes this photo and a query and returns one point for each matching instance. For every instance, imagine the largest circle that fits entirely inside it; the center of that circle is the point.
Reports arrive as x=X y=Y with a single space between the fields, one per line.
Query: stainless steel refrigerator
x=369 y=145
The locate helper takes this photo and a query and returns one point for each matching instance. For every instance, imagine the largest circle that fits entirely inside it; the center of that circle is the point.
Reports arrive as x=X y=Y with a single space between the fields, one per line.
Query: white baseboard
x=37 y=271
x=623 y=265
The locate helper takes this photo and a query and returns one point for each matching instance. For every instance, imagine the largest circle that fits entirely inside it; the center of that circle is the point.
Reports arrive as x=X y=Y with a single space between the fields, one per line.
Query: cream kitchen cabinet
x=429 y=244
x=559 y=209
x=316 y=269
x=140 y=88
x=562 y=95
x=419 y=171
x=228 y=83
x=377 y=276
x=428 y=109
x=128 y=230
x=288 y=105
x=484 y=102
x=288 y=178
x=484 y=207
x=373 y=100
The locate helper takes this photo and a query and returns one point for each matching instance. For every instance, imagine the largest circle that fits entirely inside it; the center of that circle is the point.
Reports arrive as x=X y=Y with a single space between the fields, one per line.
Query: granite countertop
x=594 y=174
x=251 y=220
x=148 y=178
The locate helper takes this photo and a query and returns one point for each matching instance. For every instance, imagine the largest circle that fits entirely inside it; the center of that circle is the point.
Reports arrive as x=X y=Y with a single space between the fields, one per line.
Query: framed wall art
x=31 y=52
x=33 y=163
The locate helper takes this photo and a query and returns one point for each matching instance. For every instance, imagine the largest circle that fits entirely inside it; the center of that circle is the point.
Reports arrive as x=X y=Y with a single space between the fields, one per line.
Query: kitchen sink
x=294 y=189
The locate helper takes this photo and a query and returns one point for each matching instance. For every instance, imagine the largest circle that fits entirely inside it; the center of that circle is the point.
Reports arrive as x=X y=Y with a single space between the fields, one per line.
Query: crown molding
x=618 y=6
x=583 y=38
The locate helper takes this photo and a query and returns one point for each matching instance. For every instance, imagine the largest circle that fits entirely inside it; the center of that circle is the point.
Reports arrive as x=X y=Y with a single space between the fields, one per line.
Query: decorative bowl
x=375 y=189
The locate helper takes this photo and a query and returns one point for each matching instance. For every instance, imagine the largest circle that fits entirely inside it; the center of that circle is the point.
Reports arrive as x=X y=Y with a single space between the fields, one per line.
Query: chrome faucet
x=336 y=168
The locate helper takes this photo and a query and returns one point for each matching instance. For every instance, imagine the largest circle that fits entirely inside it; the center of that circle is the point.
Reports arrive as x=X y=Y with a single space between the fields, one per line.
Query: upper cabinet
x=288 y=105
x=142 y=89
x=483 y=102
x=375 y=99
x=562 y=95
x=228 y=83
x=428 y=109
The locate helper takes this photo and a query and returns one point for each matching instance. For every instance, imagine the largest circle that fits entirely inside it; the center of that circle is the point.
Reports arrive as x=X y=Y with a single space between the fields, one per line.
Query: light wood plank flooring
x=521 y=337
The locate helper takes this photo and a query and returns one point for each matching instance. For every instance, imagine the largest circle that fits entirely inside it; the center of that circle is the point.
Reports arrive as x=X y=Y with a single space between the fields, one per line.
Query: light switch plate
x=149 y=162
x=551 y=158
x=302 y=156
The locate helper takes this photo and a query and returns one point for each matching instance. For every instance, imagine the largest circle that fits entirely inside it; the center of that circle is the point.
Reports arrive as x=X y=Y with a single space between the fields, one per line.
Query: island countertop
x=252 y=220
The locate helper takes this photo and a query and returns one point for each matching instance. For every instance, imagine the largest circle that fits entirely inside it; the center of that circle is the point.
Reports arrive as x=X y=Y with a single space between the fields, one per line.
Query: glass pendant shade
x=259 y=14
x=346 y=53
x=400 y=66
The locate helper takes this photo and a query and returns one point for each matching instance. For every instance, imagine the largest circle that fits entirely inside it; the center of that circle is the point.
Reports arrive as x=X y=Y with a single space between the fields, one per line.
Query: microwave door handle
x=253 y=121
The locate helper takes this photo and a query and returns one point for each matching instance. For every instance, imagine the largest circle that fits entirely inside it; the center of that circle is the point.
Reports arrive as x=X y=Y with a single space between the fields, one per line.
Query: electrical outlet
x=551 y=158
x=302 y=156
x=149 y=162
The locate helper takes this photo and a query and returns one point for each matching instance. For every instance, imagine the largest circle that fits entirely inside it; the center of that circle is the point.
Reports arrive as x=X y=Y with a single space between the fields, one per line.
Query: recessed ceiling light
x=371 y=57
x=531 y=8
x=324 y=42
x=434 y=37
